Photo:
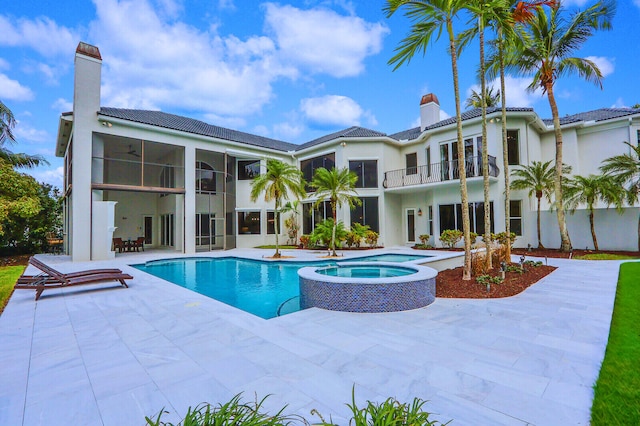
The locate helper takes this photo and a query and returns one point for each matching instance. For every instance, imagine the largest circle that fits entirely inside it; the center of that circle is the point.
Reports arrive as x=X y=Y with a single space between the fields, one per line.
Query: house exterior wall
x=585 y=145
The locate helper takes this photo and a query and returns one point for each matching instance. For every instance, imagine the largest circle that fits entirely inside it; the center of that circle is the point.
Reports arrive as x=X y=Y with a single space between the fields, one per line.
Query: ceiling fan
x=131 y=151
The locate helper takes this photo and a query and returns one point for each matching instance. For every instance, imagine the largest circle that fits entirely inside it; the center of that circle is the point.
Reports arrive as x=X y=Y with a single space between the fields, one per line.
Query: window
x=271 y=227
x=427 y=156
x=367 y=213
x=205 y=178
x=451 y=217
x=167 y=229
x=309 y=167
x=515 y=216
x=411 y=161
x=205 y=229
x=367 y=172
x=249 y=222
x=312 y=216
x=247 y=170
x=430 y=219
x=168 y=177
x=513 y=147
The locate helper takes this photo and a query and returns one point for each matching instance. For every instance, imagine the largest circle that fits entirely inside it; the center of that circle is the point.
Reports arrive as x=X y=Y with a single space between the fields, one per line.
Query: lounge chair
x=51 y=278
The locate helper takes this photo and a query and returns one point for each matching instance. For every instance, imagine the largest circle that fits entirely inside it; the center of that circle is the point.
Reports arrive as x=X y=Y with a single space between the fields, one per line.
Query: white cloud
x=605 y=65
x=40 y=34
x=619 y=102
x=287 y=131
x=226 y=5
x=516 y=88
x=150 y=63
x=51 y=176
x=4 y=65
x=13 y=90
x=322 y=41
x=62 y=105
x=23 y=132
x=331 y=111
x=636 y=2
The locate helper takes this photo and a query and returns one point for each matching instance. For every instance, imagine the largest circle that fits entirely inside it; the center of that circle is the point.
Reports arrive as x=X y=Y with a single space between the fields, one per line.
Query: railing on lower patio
x=437 y=172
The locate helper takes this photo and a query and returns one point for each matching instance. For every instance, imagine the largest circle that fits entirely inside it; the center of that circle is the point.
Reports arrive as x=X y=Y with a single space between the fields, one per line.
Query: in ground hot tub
x=367 y=287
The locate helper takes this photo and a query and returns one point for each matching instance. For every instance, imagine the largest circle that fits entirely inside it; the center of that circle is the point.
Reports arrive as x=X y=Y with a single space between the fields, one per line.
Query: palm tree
x=339 y=187
x=7 y=123
x=511 y=13
x=475 y=99
x=536 y=178
x=625 y=168
x=544 y=50
x=430 y=19
x=590 y=190
x=279 y=180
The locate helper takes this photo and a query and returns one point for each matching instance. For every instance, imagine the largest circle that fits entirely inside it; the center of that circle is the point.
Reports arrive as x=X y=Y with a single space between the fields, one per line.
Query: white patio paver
x=111 y=356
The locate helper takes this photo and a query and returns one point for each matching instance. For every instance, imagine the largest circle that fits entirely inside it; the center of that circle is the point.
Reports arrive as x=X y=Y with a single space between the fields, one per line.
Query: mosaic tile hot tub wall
x=367 y=297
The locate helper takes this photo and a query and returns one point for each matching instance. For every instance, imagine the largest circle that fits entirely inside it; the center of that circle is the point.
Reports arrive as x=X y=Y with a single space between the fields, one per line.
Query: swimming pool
x=392 y=257
x=364 y=271
x=265 y=289
x=254 y=286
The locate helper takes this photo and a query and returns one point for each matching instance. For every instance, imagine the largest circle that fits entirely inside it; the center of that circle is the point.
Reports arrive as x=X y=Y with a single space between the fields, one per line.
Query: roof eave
x=65 y=129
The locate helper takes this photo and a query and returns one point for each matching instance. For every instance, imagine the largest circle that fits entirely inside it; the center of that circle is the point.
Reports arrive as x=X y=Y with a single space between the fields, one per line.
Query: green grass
x=8 y=277
x=604 y=256
x=617 y=390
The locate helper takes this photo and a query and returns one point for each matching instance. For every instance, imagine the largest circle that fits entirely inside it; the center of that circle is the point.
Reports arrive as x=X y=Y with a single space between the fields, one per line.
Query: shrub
x=352 y=239
x=357 y=234
x=501 y=238
x=450 y=237
x=234 y=412
x=488 y=280
x=424 y=239
x=371 y=238
x=305 y=240
x=321 y=235
x=478 y=263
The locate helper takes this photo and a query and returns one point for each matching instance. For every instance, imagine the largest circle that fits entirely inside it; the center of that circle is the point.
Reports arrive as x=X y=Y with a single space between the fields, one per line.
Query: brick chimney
x=429 y=110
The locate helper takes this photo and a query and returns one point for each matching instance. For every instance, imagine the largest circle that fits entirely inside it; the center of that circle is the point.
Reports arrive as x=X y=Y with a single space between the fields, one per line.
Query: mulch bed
x=562 y=255
x=449 y=283
x=22 y=259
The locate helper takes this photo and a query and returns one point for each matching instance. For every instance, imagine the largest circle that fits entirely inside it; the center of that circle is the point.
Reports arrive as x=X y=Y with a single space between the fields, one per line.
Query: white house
x=184 y=184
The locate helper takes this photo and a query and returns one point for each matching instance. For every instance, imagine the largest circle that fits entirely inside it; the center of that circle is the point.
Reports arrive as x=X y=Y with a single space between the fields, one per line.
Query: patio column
x=189 y=200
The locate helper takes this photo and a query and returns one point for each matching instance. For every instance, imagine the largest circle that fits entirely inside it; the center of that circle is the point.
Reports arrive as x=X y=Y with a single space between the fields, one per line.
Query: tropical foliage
x=337 y=186
x=544 y=51
x=490 y=99
x=29 y=233
x=18 y=196
x=538 y=179
x=625 y=168
x=328 y=234
x=278 y=182
x=429 y=21
x=7 y=123
x=590 y=190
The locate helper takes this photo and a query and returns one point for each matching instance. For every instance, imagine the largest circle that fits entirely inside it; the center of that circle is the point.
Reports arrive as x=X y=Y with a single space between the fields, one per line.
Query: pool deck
x=105 y=355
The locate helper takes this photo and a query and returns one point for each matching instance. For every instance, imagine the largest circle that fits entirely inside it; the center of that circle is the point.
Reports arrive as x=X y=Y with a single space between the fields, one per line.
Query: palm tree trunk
x=275 y=227
x=593 y=230
x=505 y=155
x=539 y=230
x=464 y=198
x=485 y=154
x=334 y=213
x=565 y=241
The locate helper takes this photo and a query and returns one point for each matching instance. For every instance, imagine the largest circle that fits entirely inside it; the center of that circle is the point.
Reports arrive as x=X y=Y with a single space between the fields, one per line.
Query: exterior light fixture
x=419 y=212
x=106 y=124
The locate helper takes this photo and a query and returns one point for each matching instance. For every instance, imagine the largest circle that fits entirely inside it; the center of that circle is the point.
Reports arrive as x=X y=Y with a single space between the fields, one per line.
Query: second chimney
x=429 y=110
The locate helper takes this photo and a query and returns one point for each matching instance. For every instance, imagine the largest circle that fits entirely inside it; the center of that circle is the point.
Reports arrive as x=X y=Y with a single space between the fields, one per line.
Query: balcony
x=437 y=172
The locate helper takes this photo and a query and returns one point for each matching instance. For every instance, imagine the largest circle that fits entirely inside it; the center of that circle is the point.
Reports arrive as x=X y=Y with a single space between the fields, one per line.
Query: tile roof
x=466 y=115
x=351 y=132
x=189 y=125
x=595 y=115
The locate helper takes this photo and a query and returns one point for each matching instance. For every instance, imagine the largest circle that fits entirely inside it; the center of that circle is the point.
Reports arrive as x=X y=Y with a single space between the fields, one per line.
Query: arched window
x=205 y=177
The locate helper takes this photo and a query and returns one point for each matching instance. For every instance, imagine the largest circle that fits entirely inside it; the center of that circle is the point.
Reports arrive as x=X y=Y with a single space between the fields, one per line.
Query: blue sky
x=290 y=70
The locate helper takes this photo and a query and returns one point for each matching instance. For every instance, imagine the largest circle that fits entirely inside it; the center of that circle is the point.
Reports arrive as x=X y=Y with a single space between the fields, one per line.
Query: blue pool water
x=360 y=271
x=265 y=289
x=251 y=285
x=391 y=257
